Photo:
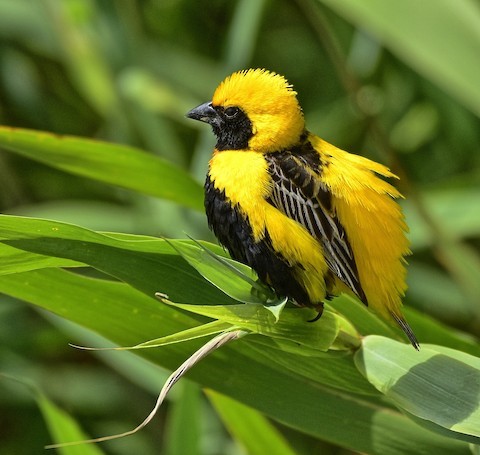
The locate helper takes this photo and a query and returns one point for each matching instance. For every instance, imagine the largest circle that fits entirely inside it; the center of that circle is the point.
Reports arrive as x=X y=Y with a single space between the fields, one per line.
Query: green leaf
x=276 y=308
x=234 y=279
x=292 y=326
x=204 y=330
x=127 y=317
x=335 y=370
x=15 y=261
x=183 y=425
x=115 y=164
x=250 y=428
x=448 y=32
x=364 y=320
x=437 y=384
x=147 y=264
x=64 y=428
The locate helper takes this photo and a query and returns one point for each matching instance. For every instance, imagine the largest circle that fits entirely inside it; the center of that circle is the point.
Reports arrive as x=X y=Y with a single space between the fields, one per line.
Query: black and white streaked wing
x=299 y=194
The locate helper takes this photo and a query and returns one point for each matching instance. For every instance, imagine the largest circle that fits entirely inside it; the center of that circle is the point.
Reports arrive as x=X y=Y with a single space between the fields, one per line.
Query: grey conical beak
x=204 y=113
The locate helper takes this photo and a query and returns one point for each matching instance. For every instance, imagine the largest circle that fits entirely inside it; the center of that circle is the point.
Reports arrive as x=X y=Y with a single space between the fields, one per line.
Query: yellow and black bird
x=312 y=220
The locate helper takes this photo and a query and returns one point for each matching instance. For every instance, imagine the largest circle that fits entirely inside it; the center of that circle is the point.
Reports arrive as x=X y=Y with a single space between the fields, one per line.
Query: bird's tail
x=407 y=329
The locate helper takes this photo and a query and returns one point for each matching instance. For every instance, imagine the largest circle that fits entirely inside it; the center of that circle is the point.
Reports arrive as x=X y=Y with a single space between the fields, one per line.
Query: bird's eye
x=231 y=112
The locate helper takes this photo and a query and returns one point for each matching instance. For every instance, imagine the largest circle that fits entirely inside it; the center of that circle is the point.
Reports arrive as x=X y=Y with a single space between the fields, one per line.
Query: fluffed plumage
x=312 y=220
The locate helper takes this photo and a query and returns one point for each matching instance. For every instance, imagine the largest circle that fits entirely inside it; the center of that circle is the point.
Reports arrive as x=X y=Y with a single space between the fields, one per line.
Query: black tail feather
x=408 y=330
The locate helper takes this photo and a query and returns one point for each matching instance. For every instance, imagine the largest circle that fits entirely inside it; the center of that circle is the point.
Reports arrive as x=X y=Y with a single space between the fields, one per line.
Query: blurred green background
x=394 y=81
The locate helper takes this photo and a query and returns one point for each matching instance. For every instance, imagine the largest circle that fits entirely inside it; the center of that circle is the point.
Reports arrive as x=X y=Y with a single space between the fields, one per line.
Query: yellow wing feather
x=243 y=176
x=373 y=222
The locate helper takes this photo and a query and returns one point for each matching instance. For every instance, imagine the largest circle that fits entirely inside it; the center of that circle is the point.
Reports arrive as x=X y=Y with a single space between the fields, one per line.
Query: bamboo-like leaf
x=436 y=384
x=61 y=426
x=203 y=330
x=250 y=428
x=14 y=260
x=248 y=371
x=293 y=325
x=158 y=267
x=223 y=273
x=128 y=317
x=64 y=428
x=115 y=164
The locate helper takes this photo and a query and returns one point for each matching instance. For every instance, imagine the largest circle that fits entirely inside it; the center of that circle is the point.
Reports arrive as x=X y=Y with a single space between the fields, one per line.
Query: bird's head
x=253 y=109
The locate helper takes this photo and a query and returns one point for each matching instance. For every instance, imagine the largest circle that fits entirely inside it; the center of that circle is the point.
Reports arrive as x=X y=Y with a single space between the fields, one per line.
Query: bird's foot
x=319 y=308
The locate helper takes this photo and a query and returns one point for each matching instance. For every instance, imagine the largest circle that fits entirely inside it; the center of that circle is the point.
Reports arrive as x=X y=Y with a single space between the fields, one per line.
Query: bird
x=312 y=220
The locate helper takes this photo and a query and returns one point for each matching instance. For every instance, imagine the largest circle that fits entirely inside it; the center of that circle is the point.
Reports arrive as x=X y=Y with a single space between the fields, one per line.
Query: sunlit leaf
x=15 y=261
x=436 y=384
x=240 y=370
x=204 y=330
x=115 y=164
x=147 y=264
x=293 y=324
x=235 y=279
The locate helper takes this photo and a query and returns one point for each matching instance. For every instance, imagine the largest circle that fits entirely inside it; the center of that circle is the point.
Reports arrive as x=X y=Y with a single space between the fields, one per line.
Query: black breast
x=234 y=232
x=228 y=225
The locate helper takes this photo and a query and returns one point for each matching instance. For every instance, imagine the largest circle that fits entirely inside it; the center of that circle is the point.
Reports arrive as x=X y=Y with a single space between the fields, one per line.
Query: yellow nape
x=270 y=103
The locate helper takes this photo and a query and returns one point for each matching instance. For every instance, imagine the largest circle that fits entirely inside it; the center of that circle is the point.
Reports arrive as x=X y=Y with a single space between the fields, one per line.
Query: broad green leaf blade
x=448 y=31
x=277 y=308
x=149 y=265
x=183 y=425
x=436 y=384
x=115 y=164
x=121 y=307
x=204 y=330
x=133 y=367
x=250 y=428
x=292 y=326
x=364 y=320
x=13 y=260
x=464 y=357
x=127 y=316
x=220 y=275
x=335 y=370
x=64 y=428
x=429 y=425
